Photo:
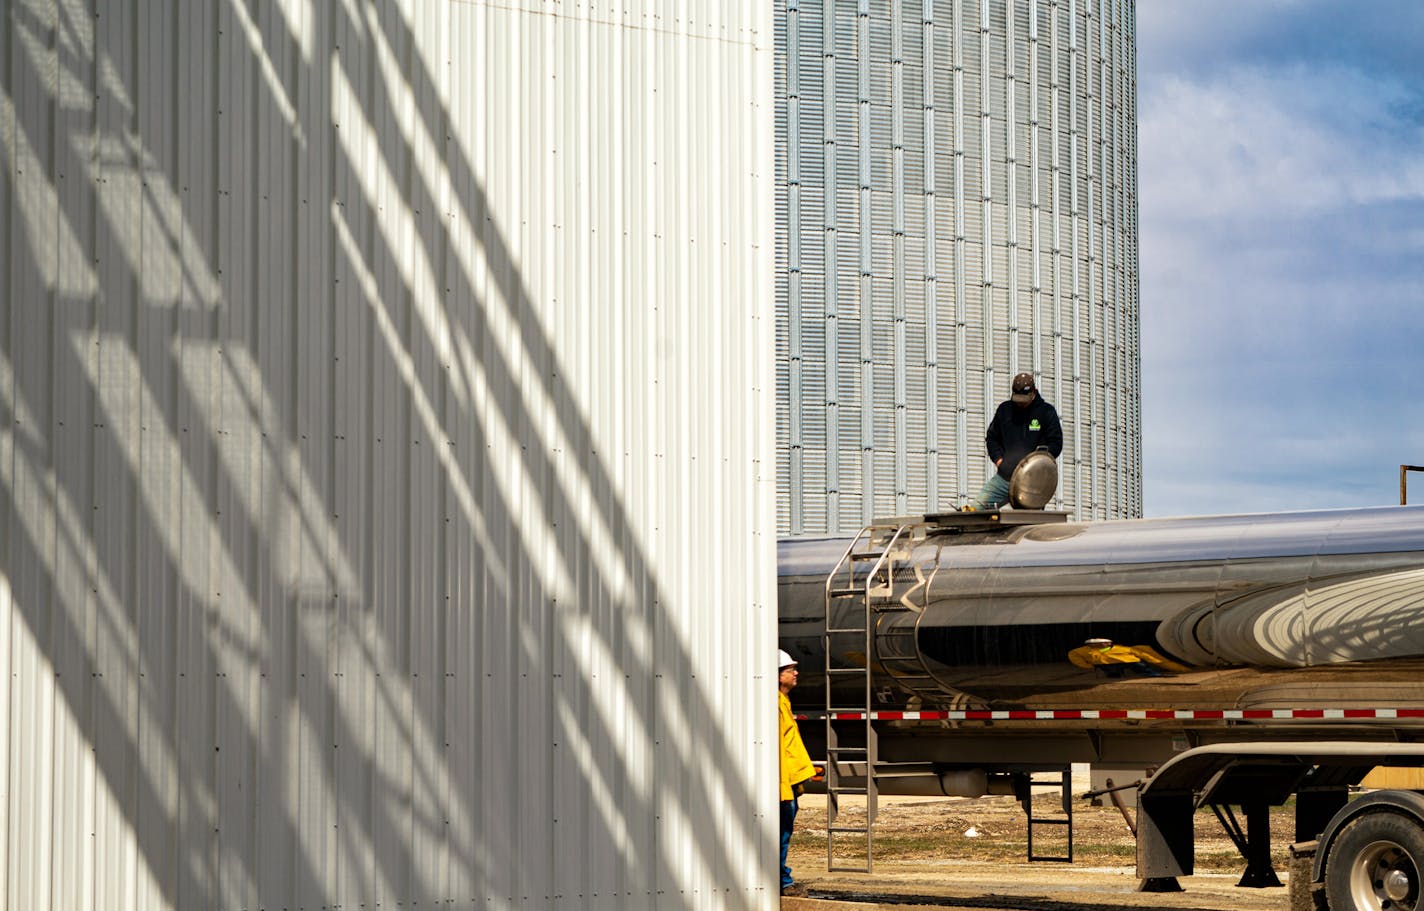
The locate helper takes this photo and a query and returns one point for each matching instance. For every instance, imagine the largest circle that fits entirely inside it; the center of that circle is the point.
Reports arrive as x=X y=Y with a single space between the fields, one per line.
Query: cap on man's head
x=1023 y=388
x=784 y=660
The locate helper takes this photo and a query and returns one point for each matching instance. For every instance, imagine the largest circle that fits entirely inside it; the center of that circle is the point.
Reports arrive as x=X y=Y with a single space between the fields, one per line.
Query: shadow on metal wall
x=125 y=621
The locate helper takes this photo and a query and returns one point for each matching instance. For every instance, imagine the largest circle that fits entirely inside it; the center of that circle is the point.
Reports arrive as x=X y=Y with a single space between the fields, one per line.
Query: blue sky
x=1281 y=180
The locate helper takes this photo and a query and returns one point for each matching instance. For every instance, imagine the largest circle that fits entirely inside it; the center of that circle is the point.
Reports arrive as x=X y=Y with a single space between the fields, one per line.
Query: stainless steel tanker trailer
x=1241 y=660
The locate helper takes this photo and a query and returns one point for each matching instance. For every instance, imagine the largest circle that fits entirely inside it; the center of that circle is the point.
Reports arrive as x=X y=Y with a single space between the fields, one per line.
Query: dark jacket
x=1015 y=432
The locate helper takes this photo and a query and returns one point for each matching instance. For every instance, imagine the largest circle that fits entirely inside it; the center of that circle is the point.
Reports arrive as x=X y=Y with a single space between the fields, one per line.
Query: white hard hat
x=783 y=659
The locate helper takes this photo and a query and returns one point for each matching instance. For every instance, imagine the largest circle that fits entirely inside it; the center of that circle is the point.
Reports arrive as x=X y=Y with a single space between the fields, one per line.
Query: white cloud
x=1265 y=144
x=1281 y=170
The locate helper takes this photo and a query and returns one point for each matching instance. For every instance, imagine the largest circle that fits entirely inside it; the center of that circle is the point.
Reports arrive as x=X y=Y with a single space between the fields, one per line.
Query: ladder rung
x=849 y=830
x=848 y=670
x=845 y=630
x=846 y=592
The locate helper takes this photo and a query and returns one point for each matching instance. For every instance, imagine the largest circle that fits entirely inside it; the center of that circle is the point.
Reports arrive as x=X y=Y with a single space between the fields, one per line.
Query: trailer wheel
x=1374 y=864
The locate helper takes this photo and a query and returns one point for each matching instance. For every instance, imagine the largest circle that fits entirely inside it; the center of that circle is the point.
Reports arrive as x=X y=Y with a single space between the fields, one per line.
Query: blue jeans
x=788 y=820
x=992 y=495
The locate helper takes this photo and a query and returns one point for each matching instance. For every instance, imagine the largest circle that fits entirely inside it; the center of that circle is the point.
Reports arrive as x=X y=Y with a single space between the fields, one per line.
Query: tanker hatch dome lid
x=1034 y=481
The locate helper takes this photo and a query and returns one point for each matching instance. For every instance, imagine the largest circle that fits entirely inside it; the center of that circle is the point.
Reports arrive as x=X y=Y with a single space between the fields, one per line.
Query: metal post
x=1403 y=482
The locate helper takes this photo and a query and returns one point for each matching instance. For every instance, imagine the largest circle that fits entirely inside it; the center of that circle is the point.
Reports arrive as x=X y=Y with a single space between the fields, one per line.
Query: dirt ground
x=953 y=853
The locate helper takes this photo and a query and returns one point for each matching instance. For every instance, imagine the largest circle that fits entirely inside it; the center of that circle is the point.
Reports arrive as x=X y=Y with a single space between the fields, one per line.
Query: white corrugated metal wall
x=956 y=202
x=385 y=469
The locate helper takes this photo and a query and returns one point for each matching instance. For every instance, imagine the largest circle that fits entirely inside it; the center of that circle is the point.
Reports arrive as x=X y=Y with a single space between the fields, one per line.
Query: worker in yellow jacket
x=796 y=766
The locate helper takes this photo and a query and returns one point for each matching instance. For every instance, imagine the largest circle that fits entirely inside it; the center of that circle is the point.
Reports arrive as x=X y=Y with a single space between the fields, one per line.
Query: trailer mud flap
x=1165 y=840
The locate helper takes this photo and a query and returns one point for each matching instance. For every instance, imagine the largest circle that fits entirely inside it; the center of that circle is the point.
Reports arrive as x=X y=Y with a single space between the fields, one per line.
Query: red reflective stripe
x=1109 y=714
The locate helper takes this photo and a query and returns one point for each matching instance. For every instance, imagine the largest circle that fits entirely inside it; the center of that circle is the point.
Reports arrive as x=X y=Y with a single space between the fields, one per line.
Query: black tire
x=1375 y=864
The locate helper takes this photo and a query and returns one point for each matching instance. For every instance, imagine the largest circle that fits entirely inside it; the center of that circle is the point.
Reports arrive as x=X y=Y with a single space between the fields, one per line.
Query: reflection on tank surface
x=1210 y=612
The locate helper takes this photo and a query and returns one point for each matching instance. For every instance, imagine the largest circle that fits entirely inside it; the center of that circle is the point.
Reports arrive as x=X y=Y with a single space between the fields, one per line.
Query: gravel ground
x=956 y=853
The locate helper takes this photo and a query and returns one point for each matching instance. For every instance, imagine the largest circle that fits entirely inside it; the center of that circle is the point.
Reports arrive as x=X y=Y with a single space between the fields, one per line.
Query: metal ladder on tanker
x=864 y=577
x=1063 y=786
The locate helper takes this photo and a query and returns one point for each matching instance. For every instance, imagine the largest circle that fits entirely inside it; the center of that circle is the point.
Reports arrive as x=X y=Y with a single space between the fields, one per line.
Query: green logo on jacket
x=1034 y=425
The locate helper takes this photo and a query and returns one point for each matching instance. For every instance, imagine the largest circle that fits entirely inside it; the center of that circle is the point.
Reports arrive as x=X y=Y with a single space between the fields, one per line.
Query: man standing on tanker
x=1021 y=425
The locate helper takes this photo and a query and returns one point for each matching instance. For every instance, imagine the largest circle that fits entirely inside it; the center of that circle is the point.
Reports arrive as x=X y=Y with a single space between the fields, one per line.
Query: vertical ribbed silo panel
x=478 y=578
x=959 y=189
x=73 y=358
x=346 y=342
x=1129 y=227
x=930 y=67
x=1087 y=234
x=11 y=624
x=526 y=571
x=110 y=722
x=987 y=324
x=1132 y=508
x=793 y=497
x=166 y=117
x=36 y=225
x=419 y=83
x=113 y=723
x=206 y=166
x=1073 y=151
x=908 y=108
x=254 y=352
x=899 y=360
x=1102 y=151
x=1133 y=265
x=1118 y=303
x=1061 y=113
x=350 y=356
x=830 y=143
x=865 y=275
x=1098 y=226
x=1006 y=220
x=1112 y=240
x=849 y=259
x=449 y=664
x=227 y=363
x=1048 y=373
x=31 y=87
x=814 y=188
x=1091 y=302
x=1051 y=112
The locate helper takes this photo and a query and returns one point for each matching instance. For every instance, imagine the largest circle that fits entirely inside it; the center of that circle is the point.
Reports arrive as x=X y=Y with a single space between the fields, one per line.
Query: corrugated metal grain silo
x=956 y=203
x=386 y=515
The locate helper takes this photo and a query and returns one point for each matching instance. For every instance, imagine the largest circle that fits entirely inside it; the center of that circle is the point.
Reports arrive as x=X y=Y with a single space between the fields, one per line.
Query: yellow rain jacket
x=796 y=764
